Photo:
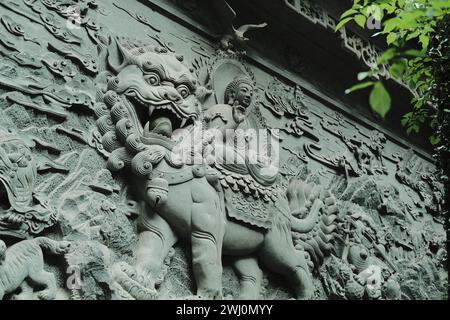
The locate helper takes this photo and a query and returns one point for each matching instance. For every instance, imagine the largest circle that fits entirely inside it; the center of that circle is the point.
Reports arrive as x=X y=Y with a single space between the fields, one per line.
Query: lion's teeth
x=146 y=129
x=150 y=110
x=183 y=122
x=177 y=115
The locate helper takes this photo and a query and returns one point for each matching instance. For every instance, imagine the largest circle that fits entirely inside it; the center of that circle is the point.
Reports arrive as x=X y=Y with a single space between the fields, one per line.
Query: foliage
x=440 y=55
x=406 y=27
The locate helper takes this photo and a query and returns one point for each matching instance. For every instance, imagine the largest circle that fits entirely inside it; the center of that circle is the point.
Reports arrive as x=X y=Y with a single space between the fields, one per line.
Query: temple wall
x=385 y=213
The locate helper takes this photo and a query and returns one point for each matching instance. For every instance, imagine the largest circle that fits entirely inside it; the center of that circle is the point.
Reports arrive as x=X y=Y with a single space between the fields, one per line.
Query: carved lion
x=23 y=262
x=142 y=106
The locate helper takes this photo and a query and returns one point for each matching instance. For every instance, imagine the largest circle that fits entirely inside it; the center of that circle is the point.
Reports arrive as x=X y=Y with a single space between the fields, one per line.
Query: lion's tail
x=55 y=247
x=314 y=215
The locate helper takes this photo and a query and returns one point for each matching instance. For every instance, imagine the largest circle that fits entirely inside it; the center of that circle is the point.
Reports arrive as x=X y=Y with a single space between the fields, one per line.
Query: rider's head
x=240 y=92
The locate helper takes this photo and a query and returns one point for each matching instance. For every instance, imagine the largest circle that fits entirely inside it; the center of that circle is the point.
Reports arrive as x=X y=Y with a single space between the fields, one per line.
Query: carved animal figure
x=23 y=262
x=371 y=278
x=144 y=104
x=22 y=211
x=233 y=38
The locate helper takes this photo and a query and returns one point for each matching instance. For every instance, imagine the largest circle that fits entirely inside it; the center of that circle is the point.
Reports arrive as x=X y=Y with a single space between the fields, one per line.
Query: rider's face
x=244 y=95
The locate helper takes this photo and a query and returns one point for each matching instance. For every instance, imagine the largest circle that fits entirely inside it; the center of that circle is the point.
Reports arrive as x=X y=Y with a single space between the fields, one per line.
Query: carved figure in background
x=22 y=210
x=376 y=143
x=232 y=38
x=389 y=204
x=372 y=280
x=22 y=265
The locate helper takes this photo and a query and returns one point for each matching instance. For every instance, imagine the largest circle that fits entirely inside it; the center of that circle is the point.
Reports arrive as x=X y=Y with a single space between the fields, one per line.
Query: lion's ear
x=202 y=93
x=118 y=56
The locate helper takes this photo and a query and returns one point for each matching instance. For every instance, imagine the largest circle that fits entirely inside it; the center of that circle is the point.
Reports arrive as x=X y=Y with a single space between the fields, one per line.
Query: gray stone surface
x=101 y=101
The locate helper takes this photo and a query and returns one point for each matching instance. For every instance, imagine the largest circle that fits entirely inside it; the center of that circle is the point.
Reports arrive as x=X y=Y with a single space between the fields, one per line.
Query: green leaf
x=391 y=37
x=434 y=140
x=380 y=99
x=413 y=127
x=398 y=69
x=413 y=53
x=342 y=23
x=360 y=20
x=390 y=25
x=424 y=40
x=359 y=86
x=413 y=35
x=347 y=13
x=386 y=56
x=406 y=119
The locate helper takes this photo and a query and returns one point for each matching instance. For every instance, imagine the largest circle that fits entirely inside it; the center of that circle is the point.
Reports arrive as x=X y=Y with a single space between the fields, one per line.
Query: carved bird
x=232 y=37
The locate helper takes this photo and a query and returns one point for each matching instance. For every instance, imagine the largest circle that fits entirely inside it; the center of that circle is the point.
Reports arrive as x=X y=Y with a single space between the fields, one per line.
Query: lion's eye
x=153 y=79
x=183 y=91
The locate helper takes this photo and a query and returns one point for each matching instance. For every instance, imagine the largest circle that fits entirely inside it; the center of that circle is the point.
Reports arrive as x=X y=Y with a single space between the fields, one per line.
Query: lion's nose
x=172 y=95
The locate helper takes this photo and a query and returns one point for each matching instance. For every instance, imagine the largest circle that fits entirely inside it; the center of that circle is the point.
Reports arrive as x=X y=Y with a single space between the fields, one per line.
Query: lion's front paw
x=47 y=295
x=133 y=283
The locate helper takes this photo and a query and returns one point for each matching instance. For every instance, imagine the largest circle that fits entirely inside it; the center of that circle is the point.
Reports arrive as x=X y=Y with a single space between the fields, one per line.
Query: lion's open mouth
x=162 y=119
x=4 y=199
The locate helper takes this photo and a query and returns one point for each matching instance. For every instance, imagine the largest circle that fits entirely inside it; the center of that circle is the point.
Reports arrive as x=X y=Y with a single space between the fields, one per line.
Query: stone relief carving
x=413 y=173
x=142 y=19
x=25 y=212
x=92 y=151
x=214 y=207
x=23 y=262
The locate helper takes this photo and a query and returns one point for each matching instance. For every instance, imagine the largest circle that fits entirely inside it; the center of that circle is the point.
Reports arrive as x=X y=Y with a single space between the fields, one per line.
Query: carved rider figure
x=238 y=98
x=237 y=140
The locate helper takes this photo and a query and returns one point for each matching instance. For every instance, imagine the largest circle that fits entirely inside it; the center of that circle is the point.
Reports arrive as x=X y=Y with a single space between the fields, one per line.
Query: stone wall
x=93 y=95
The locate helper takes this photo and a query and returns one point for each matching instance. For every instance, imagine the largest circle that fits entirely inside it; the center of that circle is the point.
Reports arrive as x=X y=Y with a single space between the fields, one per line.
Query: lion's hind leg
x=25 y=292
x=250 y=277
x=279 y=255
x=46 y=279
